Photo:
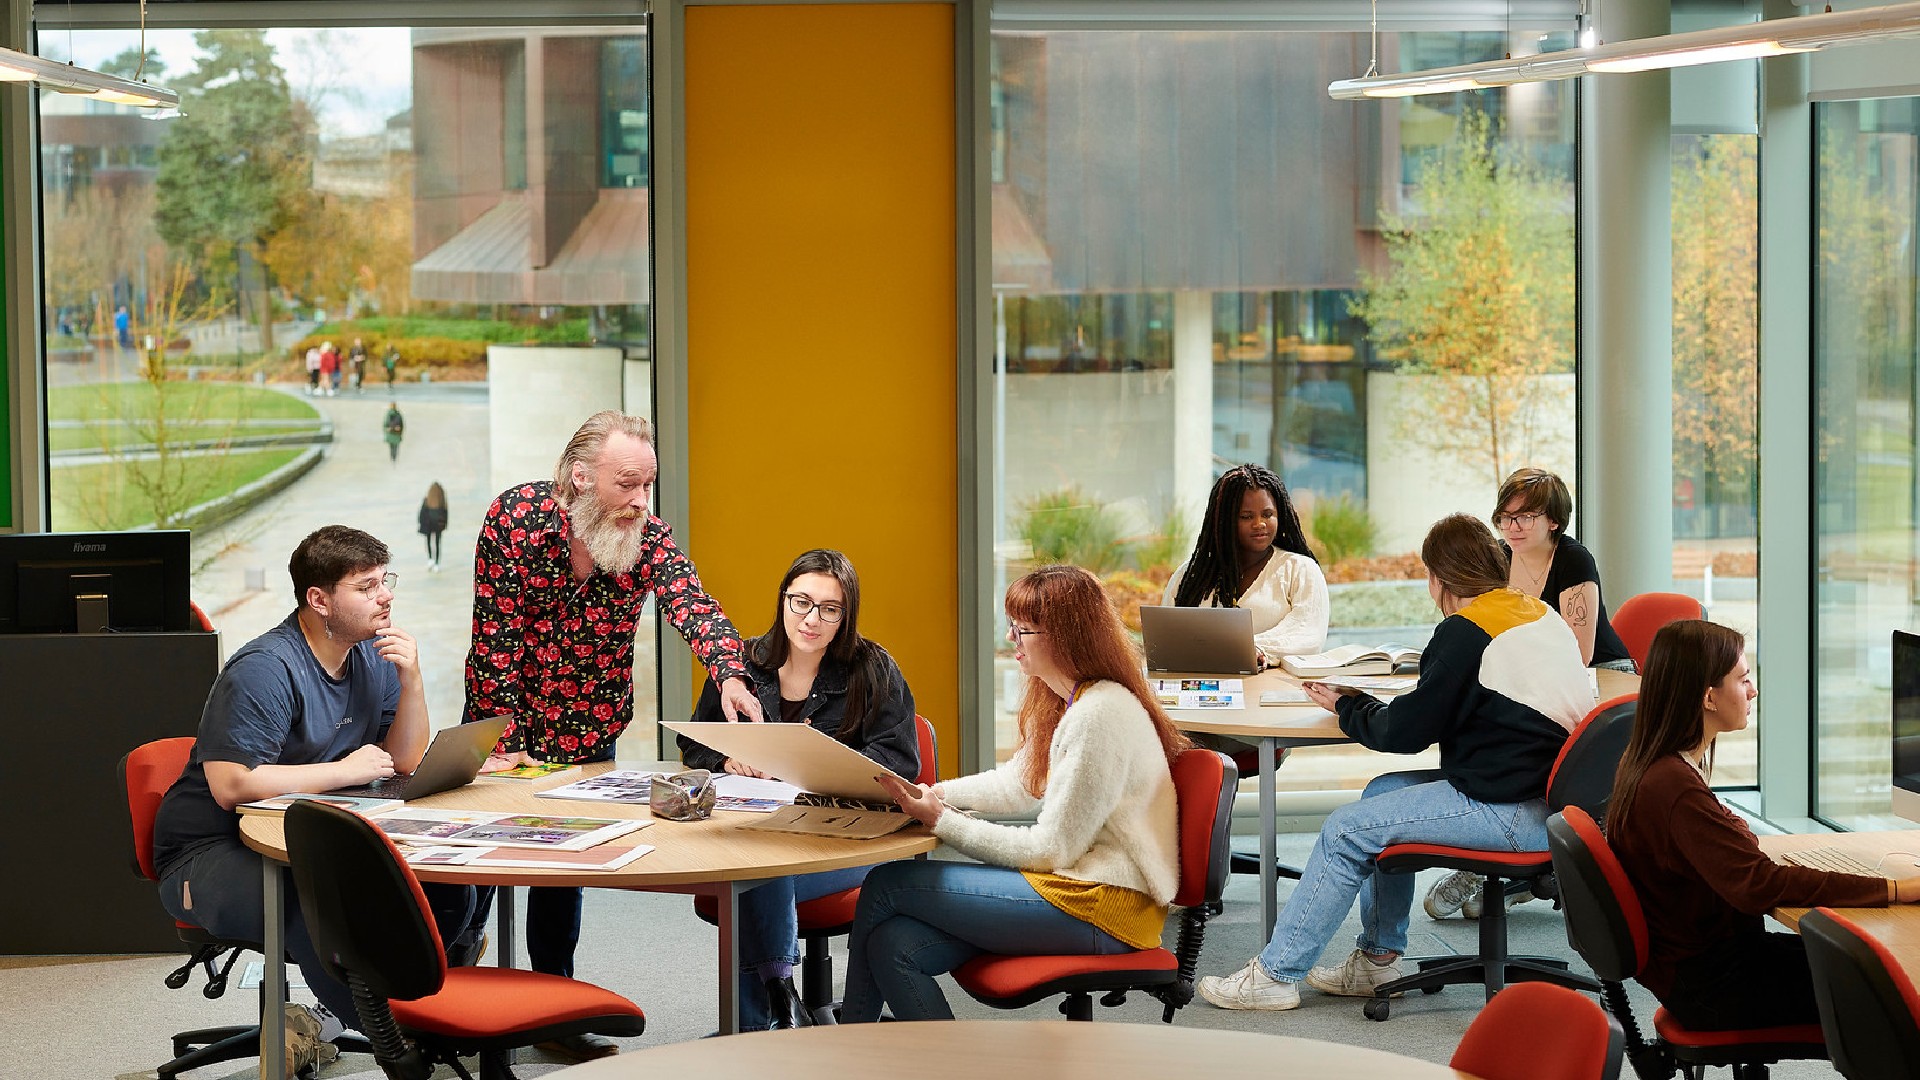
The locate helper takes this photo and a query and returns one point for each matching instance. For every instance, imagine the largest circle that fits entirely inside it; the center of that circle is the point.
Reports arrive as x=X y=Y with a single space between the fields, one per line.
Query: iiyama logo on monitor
x=81 y=549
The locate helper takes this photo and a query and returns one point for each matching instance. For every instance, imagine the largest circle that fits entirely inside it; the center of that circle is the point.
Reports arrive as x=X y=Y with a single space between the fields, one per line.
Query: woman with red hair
x=1096 y=869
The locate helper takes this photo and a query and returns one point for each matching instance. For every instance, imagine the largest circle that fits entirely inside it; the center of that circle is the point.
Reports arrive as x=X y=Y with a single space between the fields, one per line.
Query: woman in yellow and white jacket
x=1094 y=872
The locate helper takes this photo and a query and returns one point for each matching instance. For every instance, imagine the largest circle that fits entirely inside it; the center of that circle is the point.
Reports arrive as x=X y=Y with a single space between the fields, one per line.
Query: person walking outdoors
x=329 y=369
x=357 y=356
x=313 y=370
x=395 y=426
x=392 y=361
x=433 y=522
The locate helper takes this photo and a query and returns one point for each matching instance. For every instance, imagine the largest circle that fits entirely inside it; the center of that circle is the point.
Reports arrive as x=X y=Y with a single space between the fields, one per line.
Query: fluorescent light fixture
x=68 y=79
x=1772 y=37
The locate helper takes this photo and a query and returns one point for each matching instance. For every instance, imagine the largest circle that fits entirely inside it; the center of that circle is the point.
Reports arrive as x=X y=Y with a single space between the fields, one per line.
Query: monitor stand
x=90 y=603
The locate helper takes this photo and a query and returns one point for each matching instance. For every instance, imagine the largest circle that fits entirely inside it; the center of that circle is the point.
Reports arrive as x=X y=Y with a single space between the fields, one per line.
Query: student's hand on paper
x=740 y=768
x=398 y=647
x=503 y=762
x=367 y=764
x=1327 y=697
x=737 y=702
x=920 y=801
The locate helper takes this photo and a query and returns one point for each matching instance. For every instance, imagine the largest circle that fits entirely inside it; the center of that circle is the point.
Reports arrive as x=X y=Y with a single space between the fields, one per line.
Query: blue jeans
x=919 y=919
x=224 y=881
x=1397 y=808
x=769 y=930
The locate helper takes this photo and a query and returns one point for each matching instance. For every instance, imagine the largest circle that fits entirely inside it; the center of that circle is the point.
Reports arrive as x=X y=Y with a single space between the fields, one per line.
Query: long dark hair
x=1213 y=573
x=1089 y=641
x=866 y=661
x=1687 y=658
x=437 y=496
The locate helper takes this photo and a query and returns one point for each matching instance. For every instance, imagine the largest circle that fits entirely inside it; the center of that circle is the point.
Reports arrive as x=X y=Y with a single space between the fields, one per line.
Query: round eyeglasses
x=801 y=604
x=368 y=588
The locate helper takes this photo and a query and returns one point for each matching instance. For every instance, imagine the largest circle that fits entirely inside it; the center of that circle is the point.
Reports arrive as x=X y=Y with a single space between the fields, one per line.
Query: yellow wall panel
x=821 y=317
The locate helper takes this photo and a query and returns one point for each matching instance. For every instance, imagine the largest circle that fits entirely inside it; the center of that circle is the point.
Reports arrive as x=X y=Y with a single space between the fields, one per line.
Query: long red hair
x=1089 y=642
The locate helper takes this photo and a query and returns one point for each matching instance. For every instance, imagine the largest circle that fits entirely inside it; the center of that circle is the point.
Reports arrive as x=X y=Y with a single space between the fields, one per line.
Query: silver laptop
x=1199 y=640
x=452 y=760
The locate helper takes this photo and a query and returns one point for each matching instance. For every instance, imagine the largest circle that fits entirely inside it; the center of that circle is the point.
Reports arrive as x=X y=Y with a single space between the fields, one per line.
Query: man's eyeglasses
x=1524 y=521
x=801 y=604
x=368 y=588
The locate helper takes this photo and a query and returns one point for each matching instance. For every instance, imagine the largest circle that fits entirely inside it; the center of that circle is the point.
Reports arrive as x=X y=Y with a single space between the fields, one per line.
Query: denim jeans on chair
x=1397 y=808
x=769 y=930
x=918 y=919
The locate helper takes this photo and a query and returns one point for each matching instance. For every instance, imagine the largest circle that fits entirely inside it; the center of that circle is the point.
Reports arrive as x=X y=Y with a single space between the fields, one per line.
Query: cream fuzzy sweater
x=1289 y=605
x=1108 y=816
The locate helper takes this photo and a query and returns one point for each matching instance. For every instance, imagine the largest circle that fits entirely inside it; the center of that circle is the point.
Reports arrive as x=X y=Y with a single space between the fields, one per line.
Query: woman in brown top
x=1703 y=881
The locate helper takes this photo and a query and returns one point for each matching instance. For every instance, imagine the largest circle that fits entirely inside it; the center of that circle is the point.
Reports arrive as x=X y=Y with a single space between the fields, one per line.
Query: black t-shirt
x=1573 y=565
x=274 y=705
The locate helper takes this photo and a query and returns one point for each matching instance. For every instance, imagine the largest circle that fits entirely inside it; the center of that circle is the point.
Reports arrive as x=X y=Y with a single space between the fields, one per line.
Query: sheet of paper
x=752 y=787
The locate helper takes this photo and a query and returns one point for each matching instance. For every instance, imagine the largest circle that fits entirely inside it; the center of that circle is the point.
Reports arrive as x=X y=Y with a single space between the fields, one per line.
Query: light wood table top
x=969 y=1049
x=1897 y=926
x=1306 y=723
x=715 y=850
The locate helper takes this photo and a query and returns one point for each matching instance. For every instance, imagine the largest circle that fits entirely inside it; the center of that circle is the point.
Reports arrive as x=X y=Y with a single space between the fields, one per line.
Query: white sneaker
x=1355 y=978
x=1451 y=894
x=1250 y=988
x=1477 y=903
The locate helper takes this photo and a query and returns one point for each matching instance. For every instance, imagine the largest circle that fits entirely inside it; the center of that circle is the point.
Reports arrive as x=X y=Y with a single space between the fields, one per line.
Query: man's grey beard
x=614 y=549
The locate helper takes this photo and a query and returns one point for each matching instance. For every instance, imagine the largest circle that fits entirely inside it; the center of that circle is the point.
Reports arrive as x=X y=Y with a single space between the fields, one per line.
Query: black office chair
x=1869 y=1009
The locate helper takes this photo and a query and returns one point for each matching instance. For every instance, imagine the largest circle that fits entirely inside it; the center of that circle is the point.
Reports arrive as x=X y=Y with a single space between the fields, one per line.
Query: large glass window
x=1200 y=260
x=1716 y=474
x=368 y=201
x=1866 y=289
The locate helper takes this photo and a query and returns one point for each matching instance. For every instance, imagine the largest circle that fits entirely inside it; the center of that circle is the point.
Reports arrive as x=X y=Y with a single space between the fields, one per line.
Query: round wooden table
x=970 y=1049
x=714 y=857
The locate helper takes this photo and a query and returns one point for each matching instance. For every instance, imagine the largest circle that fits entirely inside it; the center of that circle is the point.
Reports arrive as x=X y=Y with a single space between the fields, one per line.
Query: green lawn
x=101 y=497
x=108 y=436
x=184 y=400
x=565 y=330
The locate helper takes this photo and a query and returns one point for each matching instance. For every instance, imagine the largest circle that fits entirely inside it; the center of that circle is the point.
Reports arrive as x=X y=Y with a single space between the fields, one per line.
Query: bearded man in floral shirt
x=561 y=572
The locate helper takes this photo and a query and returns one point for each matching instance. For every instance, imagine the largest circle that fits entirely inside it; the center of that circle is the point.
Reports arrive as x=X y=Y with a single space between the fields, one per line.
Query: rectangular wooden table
x=1273 y=727
x=1897 y=926
x=714 y=857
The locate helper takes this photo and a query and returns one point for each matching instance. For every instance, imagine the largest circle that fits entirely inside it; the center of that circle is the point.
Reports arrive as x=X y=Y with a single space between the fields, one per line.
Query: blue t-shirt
x=274 y=705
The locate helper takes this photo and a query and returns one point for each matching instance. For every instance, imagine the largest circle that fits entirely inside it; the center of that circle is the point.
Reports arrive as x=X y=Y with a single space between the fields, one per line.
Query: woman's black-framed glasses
x=800 y=604
x=368 y=588
x=1523 y=520
x=1021 y=635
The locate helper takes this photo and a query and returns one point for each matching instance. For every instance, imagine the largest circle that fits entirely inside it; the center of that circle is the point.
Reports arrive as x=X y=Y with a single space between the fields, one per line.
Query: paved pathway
x=446 y=440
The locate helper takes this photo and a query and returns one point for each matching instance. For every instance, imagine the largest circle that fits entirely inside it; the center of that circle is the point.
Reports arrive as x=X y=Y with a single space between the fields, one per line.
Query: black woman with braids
x=1252 y=553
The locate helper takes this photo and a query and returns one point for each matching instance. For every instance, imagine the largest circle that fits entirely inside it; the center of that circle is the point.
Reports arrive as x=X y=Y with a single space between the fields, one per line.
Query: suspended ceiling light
x=68 y=79
x=1774 y=37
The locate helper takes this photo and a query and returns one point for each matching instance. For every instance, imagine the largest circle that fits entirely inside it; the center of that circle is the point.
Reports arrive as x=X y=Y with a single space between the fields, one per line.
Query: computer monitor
x=67 y=583
x=1906 y=725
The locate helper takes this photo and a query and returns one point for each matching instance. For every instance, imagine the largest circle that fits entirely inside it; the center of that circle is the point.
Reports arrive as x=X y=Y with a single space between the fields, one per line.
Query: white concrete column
x=1626 y=263
x=1192 y=400
x=538 y=396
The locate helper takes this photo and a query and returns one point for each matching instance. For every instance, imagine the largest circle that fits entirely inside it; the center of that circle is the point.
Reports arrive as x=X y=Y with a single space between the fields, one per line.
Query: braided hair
x=1213 y=573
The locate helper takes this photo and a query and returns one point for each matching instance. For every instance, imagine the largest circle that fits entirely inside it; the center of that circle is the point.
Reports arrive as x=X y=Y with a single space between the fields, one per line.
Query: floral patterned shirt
x=556 y=654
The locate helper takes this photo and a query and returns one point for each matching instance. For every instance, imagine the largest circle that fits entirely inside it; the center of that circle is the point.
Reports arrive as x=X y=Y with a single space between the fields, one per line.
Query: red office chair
x=1538 y=1031
x=373 y=929
x=1869 y=1009
x=1582 y=776
x=1203 y=782
x=1642 y=616
x=1607 y=927
x=147 y=772
x=824 y=918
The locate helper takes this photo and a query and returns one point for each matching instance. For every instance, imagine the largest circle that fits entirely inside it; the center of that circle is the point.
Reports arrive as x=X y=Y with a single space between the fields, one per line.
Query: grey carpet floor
x=88 y=1018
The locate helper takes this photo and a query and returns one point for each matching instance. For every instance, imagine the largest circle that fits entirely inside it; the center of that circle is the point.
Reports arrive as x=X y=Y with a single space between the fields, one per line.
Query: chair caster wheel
x=177 y=980
x=1375 y=1009
x=214 y=988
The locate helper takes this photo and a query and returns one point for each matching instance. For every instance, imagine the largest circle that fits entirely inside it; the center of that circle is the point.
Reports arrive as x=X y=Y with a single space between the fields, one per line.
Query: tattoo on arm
x=1574 y=606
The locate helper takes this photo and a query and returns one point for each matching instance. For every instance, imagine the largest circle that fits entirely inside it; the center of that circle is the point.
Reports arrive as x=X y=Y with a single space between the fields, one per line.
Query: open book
x=1350 y=660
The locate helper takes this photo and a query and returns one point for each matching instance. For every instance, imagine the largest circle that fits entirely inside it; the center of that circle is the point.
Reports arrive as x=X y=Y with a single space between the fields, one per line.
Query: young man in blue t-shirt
x=332 y=697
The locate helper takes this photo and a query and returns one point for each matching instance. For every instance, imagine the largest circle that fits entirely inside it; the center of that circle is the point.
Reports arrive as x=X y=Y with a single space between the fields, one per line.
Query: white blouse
x=1289 y=605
